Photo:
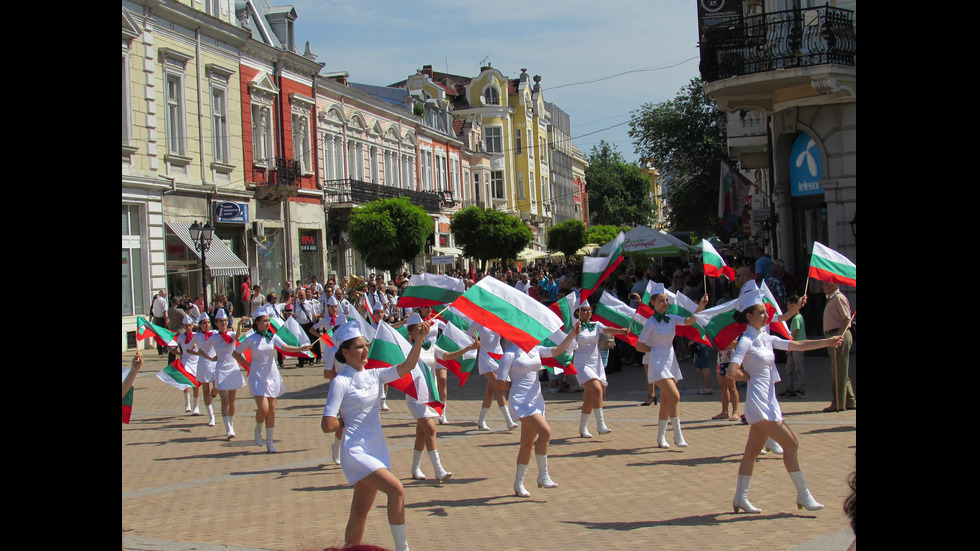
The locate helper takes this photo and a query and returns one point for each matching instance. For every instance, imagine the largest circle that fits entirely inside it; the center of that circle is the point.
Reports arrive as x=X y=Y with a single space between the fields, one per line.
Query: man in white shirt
x=158 y=311
x=523 y=284
x=305 y=313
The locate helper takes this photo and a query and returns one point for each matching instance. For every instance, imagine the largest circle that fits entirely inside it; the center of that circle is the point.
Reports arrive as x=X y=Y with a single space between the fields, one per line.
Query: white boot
x=417 y=465
x=741 y=500
x=662 y=434
x=583 y=425
x=229 y=426
x=441 y=473
x=398 y=535
x=268 y=440
x=773 y=446
x=678 y=435
x=335 y=450
x=258 y=434
x=601 y=421
x=511 y=425
x=187 y=402
x=197 y=409
x=803 y=497
x=519 y=482
x=544 y=481
x=210 y=410
x=482 y=422
x=443 y=420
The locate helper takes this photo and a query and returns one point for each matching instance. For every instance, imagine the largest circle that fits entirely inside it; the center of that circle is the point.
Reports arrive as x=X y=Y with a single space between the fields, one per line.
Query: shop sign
x=446 y=259
x=228 y=211
x=805 y=167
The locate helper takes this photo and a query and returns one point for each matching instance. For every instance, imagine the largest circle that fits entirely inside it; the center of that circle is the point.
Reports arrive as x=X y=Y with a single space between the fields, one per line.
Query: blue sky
x=599 y=61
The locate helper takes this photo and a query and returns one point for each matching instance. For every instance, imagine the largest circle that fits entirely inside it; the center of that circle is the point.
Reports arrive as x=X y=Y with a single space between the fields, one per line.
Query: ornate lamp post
x=201 y=236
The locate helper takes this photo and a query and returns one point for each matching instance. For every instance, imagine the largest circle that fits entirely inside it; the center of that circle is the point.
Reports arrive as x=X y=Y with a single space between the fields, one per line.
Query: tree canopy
x=686 y=140
x=487 y=234
x=603 y=234
x=389 y=232
x=567 y=237
x=619 y=193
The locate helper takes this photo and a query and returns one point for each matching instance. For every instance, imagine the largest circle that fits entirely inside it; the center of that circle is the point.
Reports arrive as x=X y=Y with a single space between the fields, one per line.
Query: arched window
x=491 y=96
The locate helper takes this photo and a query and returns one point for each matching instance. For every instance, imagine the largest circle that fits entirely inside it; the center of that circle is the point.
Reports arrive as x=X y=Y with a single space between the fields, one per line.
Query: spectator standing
x=158 y=310
x=836 y=320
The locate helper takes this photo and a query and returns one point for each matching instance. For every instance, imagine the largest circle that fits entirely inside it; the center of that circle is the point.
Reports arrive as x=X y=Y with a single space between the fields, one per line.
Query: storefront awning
x=447 y=250
x=219 y=258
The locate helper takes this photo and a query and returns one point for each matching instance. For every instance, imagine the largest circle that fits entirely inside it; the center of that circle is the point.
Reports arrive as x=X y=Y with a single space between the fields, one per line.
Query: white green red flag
x=247 y=353
x=453 y=339
x=367 y=329
x=291 y=333
x=679 y=305
x=127 y=401
x=827 y=264
x=369 y=310
x=177 y=376
x=430 y=290
x=390 y=348
x=613 y=312
x=455 y=317
x=510 y=313
x=595 y=269
x=146 y=330
x=559 y=364
x=425 y=387
x=564 y=308
x=714 y=264
x=719 y=325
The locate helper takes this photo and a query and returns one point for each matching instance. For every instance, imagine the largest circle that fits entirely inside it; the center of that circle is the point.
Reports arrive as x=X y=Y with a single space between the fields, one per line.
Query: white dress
x=205 y=367
x=355 y=397
x=521 y=369
x=188 y=360
x=661 y=360
x=263 y=374
x=228 y=374
x=586 y=359
x=489 y=341
x=754 y=353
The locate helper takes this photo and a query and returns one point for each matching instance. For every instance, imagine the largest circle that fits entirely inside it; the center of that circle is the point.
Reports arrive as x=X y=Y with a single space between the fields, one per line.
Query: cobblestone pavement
x=185 y=487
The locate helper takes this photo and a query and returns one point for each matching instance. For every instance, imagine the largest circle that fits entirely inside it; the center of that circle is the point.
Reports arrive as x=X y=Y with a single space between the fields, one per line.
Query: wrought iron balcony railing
x=348 y=190
x=778 y=40
x=281 y=172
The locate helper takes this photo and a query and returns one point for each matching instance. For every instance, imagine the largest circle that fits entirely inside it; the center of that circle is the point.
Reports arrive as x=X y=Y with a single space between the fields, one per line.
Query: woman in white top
x=519 y=373
x=264 y=380
x=591 y=371
x=353 y=403
x=228 y=376
x=754 y=361
x=486 y=359
x=657 y=338
x=205 y=364
x=188 y=358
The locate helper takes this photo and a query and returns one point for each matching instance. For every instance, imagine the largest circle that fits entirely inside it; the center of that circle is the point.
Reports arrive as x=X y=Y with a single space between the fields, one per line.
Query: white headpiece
x=264 y=310
x=749 y=299
x=750 y=285
x=332 y=301
x=220 y=314
x=347 y=331
x=187 y=320
x=413 y=319
x=204 y=317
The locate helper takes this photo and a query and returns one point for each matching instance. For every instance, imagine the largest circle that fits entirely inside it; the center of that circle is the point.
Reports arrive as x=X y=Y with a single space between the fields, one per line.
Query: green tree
x=686 y=140
x=487 y=234
x=567 y=237
x=619 y=193
x=389 y=232
x=603 y=234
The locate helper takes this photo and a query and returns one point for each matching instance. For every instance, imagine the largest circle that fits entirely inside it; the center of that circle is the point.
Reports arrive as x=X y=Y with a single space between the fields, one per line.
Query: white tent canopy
x=648 y=241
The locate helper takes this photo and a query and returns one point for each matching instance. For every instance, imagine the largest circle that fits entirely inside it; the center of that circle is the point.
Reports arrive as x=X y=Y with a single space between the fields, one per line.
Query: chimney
x=427 y=70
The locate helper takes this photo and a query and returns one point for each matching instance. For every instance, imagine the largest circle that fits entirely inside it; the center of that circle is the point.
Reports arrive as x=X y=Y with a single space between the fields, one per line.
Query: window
x=375 y=176
x=133 y=275
x=408 y=172
x=476 y=188
x=497 y=184
x=355 y=160
x=333 y=157
x=454 y=175
x=491 y=96
x=530 y=143
x=440 y=170
x=520 y=186
x=518 y=142
x=302 y=149
x=391 y=168
x=127 y=132
x=212 y=7
x=175 y=114
x=426 y=171
x=493 y=138
x=219 y=124
x=263 y=151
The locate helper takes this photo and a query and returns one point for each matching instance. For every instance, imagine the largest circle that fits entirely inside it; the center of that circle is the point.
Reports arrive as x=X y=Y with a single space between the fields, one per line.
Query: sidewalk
x=187 y=488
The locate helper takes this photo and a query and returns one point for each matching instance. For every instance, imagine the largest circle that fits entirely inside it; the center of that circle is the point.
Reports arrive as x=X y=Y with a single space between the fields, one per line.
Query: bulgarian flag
x=431 y=290
x=327 y=338
x=559 y=364
x=390 y=348
x=508 y=312
x=595 y=269
x=455 y=317
x=453 y=339
x=714 y=264
x=827 y=264
x=718 y=323
x=613 y=312
x=127 y=401
x=145 y=330
x=248 y=353
x=177 y=376
x=367 y=329
x=369 y=310
x=425 y=387
x=565 y=309
x=679 y=305
x=291 y=333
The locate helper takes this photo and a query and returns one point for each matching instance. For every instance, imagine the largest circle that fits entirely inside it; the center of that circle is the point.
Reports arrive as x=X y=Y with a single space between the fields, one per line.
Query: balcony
x=349 y=192
x=278 y=181
x=778 y=40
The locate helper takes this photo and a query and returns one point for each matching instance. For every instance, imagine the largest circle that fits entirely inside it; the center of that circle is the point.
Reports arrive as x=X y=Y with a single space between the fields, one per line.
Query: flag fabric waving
x=565 y=309
x=425 y=387
x=714 y=264
x=510 y=313
x=177 y=376
x=595 y=269
x=719 y=325
x=613 y=312
x=431 y=290
x=827 y=264
x=679 y=305
x=146 y=330
x=455 y=317
x=453 y=339
x=367 y=329
x=291 y=333
x=127 y=401
x=390 y=348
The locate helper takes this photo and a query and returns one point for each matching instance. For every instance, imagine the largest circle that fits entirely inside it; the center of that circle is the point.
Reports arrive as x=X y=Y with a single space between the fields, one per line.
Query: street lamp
x=201 y=237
